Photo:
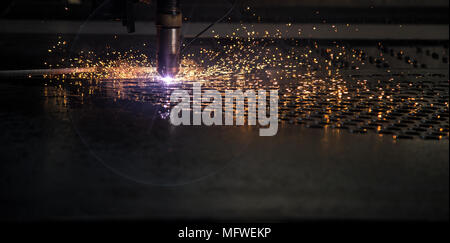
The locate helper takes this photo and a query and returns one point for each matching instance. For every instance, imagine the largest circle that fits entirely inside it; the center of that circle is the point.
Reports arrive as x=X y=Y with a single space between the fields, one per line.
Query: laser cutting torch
x=169 y=21
x=168 y=25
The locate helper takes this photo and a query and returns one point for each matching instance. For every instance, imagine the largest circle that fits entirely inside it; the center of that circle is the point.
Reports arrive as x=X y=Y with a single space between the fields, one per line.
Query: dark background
x=312 y=177
x=344 y=11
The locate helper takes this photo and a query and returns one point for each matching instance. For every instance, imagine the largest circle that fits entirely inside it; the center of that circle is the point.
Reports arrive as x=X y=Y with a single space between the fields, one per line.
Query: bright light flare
x=168 y=79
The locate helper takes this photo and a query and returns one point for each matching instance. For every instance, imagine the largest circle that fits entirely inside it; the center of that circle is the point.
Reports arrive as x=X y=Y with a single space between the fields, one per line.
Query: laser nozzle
x=168 y=54
x=168 y=24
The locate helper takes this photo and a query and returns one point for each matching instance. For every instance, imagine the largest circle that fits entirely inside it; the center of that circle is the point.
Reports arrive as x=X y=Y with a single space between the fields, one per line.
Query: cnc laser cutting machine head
x=168 y=25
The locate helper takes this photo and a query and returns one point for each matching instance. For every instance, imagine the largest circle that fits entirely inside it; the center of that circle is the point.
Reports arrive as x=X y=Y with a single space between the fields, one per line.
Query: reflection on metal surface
x=400 y=92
